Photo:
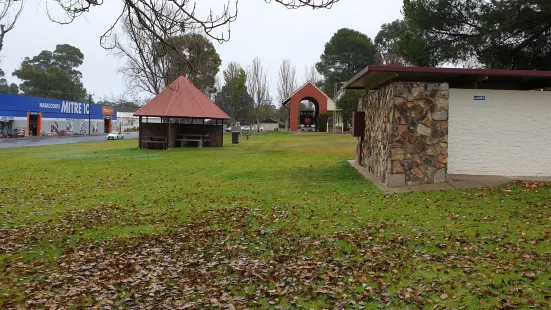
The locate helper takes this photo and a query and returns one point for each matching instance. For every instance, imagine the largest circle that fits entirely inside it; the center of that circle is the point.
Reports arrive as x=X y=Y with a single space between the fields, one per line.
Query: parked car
x=115 y=135
x=228 y=129
x=245 y=128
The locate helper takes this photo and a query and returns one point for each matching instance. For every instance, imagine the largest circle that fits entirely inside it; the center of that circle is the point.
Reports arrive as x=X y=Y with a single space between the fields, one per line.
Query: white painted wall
x=269 y=126
x=508 y=133
x=331 y=106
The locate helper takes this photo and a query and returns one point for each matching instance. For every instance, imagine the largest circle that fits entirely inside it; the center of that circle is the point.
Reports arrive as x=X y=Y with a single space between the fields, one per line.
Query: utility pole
x=335 y=112
x=89 y=115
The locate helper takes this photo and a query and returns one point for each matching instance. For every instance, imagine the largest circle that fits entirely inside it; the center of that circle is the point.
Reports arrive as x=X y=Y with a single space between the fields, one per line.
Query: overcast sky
x=268 y=31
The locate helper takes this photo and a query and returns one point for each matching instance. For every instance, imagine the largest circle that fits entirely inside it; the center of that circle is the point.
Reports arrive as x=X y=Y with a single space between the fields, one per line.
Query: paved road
x=7 y=143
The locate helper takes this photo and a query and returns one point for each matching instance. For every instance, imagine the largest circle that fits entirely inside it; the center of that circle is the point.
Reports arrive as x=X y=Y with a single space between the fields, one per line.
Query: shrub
x=322 y=122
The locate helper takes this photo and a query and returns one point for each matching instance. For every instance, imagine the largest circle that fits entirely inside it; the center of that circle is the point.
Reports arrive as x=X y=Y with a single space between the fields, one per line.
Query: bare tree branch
x=153 y=20
x=257 y=86
x=287 y=80
x=315 y=4
x=287 y=84
x=10 y=10
x=144 y=69
x=311 y=74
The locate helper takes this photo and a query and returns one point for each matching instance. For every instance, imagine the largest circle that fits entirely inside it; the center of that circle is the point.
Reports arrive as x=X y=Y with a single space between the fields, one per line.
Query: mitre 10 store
x=43 y=116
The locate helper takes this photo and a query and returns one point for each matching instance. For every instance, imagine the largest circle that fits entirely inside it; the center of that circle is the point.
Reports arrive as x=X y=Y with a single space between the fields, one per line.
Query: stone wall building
x=406 y=140
x=408 y=119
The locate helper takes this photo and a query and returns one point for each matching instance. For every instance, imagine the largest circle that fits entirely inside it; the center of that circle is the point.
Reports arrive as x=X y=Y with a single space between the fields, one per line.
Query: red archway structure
x=307 y=92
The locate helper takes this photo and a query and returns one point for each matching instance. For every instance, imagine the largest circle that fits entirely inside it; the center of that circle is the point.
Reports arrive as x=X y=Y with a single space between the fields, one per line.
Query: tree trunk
x=2 y=33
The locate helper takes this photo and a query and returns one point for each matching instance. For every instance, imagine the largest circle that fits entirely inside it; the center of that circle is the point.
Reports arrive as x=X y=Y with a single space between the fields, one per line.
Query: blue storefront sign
x=19 y=106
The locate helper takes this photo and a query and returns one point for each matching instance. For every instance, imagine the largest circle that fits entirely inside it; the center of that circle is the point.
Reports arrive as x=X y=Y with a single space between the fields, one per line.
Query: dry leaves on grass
x=220 y=259
x=25 y=237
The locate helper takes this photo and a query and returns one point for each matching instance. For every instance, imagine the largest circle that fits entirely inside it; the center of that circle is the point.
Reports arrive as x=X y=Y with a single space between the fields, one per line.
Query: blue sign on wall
x=14 y=105
x=479 y=97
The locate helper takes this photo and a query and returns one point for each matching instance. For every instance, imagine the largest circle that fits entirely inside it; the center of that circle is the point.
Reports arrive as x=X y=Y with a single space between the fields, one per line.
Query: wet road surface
x=21 y=142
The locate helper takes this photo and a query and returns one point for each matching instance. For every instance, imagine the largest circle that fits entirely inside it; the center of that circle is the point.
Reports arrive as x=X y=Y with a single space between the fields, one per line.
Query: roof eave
x=172 y=116
x=373 y=76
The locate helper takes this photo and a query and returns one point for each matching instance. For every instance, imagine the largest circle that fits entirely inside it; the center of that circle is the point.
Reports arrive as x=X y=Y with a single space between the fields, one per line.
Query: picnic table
x=184 y=139
x=246 y=133
x=155 y=140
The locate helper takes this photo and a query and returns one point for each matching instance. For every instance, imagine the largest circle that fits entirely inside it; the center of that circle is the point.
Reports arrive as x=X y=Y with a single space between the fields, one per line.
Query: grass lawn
x=279 y=221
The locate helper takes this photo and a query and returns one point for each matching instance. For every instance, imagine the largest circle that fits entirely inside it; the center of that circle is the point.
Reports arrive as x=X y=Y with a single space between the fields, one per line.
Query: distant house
x=127 y=121
x=268 y=124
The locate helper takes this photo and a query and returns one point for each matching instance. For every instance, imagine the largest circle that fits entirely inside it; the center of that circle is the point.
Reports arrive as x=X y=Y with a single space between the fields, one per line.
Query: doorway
x=308 y=114
x=107 y=124
x=33 y=123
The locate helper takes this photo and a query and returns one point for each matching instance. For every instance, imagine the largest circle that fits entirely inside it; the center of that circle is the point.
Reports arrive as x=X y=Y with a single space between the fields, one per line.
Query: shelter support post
x=140 y=133
x=167 y=132
x=334 y=122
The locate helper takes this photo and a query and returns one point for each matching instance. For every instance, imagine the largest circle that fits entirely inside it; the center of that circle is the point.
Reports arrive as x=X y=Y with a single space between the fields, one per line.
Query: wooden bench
x=155 y=140
x=185 y=138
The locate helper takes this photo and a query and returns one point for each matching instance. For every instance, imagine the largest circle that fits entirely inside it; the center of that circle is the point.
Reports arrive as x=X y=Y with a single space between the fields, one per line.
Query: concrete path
x=40 y=141
x=454 y=181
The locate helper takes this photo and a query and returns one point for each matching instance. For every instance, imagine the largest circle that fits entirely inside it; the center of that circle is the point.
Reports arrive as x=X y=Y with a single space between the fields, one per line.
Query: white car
x=115 y=135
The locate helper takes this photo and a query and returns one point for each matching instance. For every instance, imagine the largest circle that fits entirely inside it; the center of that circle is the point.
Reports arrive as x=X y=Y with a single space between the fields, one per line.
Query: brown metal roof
x=181 y=99
x=373 y=76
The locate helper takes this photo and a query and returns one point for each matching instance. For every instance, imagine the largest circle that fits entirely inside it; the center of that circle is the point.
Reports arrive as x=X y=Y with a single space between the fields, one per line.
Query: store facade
x=35 y=116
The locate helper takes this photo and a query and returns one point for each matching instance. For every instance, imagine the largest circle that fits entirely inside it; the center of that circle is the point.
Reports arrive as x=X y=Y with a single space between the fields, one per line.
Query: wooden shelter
x=181 y=115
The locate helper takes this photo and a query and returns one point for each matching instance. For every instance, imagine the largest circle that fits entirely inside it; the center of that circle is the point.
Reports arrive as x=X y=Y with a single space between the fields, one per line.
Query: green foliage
x=414 y=49
x=127 y=106
x=14 y=89
x=386 y=41
x=400 y=45
x=322 y=122
x=510 y=34
x=234 y=98
x=396 y=47
x=200 y=65
x=5 y=88
x=347 y=52
x=348 y=103
x=122 y=105
x=53 y=74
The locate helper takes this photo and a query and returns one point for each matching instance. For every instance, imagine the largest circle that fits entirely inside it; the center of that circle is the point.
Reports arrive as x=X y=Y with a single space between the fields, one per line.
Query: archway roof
x=311 y=90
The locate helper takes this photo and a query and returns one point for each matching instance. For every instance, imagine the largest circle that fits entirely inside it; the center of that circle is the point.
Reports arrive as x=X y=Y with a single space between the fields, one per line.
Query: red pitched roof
x=181 y=99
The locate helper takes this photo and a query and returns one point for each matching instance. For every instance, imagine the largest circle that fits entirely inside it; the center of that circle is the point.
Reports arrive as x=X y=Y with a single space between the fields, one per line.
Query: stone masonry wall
x=406 y=135
x=420 y=132
x=376 y=146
